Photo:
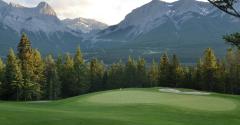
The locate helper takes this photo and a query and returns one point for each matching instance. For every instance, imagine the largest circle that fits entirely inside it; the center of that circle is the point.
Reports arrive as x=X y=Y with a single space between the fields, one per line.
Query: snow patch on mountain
x=38 y=19
x=84 y=25
x=157 y=12
x=43 y=18
x=2 y=5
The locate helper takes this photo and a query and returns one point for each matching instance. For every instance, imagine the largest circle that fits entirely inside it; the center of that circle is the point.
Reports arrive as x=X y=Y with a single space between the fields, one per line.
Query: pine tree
x=237 y=78
x=60 y=65
x=96 y=75
x=78 y=59
x=153 y=74
x=237 y=63
x=53 y=84
x=130 y=73
x=209 y=69
x=105 y=80
x=116 y=76
x=237 y=57
x=176 y=71
x=221 y=77
x=188 y=78
x=230 y=58
x=233 y=39
x=31 y=87
x=13 y=84
x=24 y=48
x=2 y=68
x=230 y=70
x=164 y=70
x=141 y=79
x=68 y=77
x=198 y=75
x=38 y=73
x=227 y=6
x=38 y=67
x=81 y=74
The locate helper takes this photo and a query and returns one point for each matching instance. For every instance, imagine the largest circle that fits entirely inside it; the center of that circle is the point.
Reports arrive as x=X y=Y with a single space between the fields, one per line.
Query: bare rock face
x=46 y=9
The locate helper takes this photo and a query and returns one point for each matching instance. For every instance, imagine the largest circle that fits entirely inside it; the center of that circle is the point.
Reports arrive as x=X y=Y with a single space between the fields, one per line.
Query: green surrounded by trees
x=125 y=107
x=27 y=76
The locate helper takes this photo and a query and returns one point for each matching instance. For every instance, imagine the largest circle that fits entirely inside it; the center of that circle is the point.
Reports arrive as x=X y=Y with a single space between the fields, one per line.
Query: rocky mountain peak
x=46 y=9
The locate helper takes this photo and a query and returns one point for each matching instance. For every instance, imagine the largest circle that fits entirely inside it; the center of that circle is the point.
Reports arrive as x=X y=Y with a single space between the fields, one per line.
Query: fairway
x=126 y=107
x=186 y=101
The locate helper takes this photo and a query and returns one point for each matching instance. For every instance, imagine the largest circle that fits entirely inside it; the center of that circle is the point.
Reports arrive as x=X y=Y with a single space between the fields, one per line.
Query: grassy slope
x=98 y=109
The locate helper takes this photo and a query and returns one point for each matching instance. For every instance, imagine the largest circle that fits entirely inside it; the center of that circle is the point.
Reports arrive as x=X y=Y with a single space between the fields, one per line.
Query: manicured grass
x=207 y=103
x=126 y=107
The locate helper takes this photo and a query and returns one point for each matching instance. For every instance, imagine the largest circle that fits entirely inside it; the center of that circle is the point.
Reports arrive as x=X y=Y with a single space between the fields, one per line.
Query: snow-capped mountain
x=2 y=4
x=46 y=31
x=44 y=28
x=84 y=25
x=41 y=18
x=185 y=27
x=156 y=13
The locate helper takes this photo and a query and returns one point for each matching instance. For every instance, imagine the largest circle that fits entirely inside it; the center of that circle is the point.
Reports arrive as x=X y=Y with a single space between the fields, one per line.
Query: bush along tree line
x=26 y=76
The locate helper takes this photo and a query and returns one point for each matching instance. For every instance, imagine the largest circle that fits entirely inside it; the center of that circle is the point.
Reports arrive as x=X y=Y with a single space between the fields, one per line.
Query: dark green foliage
x=96 y=75
x=24 y=49
x=188 y=78
x=153 y=75
x=209 y=69
x=2 y=68
x=53 y=84
x=116 y=76
x=197 y=75
x=232 y=71
x=131 y=73
x=31 y=68
x=81 y=74
x=141 y=73
x=12 y=87
x=67 y=76
x=176 y=72
x=226 y=6
x=164 y=70
x=233 y=39
x=28 y=77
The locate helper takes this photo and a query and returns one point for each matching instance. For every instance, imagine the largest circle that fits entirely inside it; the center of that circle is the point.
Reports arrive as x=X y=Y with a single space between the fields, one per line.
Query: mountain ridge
x=184 y=27
x=84 y=25
x=46 y=31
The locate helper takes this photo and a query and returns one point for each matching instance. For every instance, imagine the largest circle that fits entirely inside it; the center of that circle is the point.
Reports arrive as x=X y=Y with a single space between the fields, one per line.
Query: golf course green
x=126 y=107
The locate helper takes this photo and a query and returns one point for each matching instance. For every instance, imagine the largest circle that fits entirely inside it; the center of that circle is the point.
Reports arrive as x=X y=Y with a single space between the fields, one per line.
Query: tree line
x=26 y=75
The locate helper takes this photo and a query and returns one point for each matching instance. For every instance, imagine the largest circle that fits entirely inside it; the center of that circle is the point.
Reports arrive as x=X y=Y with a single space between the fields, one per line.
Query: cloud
x=107 y=11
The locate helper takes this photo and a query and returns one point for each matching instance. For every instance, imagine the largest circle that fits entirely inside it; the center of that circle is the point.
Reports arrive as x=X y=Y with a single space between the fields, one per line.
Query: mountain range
x=184 y=27
x=46 y=31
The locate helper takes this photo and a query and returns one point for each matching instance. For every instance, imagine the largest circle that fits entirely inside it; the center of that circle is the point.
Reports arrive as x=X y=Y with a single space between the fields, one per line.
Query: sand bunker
x=183 y=92
x=38 y=101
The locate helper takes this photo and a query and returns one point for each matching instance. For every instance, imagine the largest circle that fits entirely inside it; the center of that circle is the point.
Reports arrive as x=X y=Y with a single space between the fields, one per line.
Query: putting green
x=126 y=107
x=207 y=103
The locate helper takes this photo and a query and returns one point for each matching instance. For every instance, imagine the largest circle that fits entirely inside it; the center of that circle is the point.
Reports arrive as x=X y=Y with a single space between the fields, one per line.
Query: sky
x=107 y=11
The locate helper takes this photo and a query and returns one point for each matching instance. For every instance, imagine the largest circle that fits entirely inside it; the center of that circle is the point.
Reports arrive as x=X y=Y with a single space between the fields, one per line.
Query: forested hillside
x=26 y=75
